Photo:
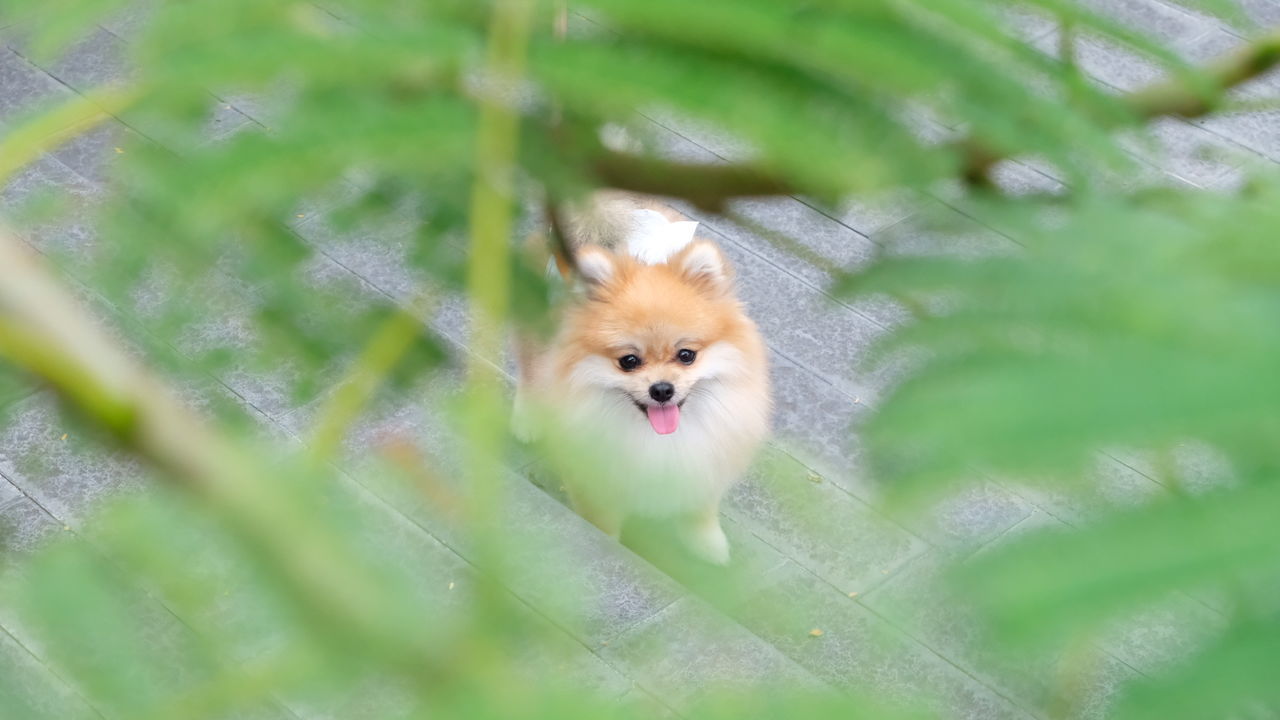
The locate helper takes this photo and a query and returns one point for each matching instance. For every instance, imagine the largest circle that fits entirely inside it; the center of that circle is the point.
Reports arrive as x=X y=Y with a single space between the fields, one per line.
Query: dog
x=655 y=367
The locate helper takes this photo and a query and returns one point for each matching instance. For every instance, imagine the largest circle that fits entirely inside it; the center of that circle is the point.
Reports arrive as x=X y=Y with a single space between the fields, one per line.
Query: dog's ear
x=703 y=264
x=596 y=266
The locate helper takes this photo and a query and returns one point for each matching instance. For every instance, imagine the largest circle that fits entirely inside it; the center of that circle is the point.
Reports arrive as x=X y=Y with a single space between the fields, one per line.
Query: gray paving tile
x=44 y=175
x=663 y=142
x=220 y=122
x=1018 y=180
x=451 y=318
x=1257 y=130
x=382 y=253
x=126 y=22
x=27 y=89
x=225 y=122
x=70 y=477
x=214 y=321
x=964 y=521
x=1026 y=22
x=814 y=421
x=828 y=246
x=569 y=571
x=751 y=559
x=1106 y=485
x=34 y=692
x=1129 y=173
x=1014 y=179
x=546 y=659
x=1124 y=69
x=1157 y=638
x=267 y=108
x=378 y=252
x=1151 y=639
x=936 y=229
x=1266 y=13
x=71 y=237
x=94 y=154
x=313 y=211
x=1150 y=17
x=1105 y=60
x=1186 y=151
x=863 y=215
x=151 y=660
x=24 y=527
x=722 y=143
x=1218 y=42
x=1196 y=468
x=859 y=651
x=688 y=652
x=569 y=665
x=427 y=575
x=818 y=334
x=870 y=214
x=1167 y=152
x=919 y=603
x=97 y=60
x=8 y=492
x=1035 y=521
x=228 y=329
x=640 y=704
x=418 y=415
x=820 y=526
x=101 y=60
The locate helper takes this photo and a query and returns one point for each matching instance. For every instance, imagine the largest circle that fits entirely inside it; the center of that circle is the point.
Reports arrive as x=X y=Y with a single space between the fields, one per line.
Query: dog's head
x=653 y=335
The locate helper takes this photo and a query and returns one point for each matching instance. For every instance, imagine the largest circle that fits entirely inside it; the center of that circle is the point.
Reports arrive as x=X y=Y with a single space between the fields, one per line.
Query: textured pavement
x=805 y=526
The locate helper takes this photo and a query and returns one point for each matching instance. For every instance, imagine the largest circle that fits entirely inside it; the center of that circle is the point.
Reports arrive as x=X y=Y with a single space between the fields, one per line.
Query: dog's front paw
x=709 y=543
x=522 y=422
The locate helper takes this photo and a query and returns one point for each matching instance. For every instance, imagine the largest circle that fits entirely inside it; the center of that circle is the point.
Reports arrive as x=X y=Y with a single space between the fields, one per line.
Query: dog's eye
x=686 y=356
x=629 y=362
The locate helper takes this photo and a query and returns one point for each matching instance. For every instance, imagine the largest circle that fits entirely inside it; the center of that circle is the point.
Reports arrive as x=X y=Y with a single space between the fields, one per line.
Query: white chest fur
x=650 y=474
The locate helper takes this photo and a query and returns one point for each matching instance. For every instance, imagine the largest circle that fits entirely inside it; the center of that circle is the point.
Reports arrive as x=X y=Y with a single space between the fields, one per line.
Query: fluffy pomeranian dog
x=655 y=366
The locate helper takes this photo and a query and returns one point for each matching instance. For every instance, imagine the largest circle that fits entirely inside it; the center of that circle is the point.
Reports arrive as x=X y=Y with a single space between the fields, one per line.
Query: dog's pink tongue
x=664 y=418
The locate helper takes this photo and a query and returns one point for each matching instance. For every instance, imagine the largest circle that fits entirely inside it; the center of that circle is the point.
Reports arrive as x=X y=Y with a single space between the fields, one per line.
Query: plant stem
x=489 y=276
x=711 y=186
x=44 y=332
x=383 y=352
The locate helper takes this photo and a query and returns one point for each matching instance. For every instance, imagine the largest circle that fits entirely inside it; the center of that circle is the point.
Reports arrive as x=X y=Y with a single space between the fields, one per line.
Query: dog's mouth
x=644 y=409
x=664 y=419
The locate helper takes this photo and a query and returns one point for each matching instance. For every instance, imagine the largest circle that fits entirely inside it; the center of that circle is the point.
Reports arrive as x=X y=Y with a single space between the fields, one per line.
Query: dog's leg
x=704 y=536
x=522 y=421
x=608 y=519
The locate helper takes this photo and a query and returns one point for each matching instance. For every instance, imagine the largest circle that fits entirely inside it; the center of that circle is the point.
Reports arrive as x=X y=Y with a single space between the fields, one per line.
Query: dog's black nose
x=662 y=391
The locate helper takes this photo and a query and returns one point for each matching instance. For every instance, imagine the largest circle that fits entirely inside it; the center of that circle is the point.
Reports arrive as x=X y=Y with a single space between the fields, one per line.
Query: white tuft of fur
x=654 y=239
x=618 y=139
